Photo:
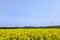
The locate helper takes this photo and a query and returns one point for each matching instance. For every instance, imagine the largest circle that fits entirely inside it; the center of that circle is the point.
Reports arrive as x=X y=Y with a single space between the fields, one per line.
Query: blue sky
x=29 y=12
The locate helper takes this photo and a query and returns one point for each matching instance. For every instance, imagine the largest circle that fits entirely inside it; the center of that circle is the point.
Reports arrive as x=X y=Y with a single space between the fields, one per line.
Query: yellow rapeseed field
x=30 y=34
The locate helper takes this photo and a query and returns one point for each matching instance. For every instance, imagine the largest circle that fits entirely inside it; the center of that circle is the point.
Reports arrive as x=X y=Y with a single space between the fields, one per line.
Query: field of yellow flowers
x=30 y=34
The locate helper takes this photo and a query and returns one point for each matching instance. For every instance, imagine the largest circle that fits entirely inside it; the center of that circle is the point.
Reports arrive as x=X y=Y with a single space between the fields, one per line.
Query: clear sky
x=29 y=12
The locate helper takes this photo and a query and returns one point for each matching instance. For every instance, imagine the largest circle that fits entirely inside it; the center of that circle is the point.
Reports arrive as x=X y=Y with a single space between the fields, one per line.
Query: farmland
x=30 y=34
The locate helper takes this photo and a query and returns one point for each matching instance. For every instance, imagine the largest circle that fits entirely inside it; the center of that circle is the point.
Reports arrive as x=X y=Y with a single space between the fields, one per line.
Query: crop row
x=30 y=34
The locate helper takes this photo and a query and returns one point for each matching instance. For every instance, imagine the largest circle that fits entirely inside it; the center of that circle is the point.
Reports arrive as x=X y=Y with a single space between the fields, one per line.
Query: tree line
x=27 y=27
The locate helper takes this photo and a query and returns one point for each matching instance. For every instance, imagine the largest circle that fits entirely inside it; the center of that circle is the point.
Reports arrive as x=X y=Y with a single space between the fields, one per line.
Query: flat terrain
x=30 y=34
